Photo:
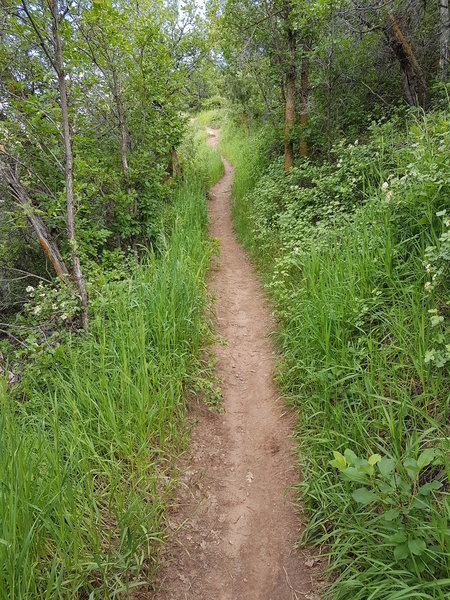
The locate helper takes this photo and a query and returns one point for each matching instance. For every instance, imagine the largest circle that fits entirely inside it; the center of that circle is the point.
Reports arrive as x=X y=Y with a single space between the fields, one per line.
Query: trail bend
x=234 y=530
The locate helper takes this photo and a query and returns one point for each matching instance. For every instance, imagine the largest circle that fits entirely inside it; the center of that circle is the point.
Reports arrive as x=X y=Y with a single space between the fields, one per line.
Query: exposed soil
x=234 y=529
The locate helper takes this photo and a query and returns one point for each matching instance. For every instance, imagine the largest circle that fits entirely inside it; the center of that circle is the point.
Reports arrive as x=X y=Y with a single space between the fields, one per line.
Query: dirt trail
x=234 y=530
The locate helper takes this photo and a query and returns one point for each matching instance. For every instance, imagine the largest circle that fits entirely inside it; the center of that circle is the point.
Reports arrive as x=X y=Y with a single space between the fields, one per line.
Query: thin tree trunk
x=289 y=105
x=329 y=141
x=122 y=128
x=124 y=138
x=304 y=100
x=330 y=88
x=19 y=193
x=67 y=136
x=245 y=119
x=132 y=206
x=176 y=164
x=173 y=166
x=276 y=42
x=444 y=54
x=413 y=78
x=123 y=134
x=263 y=93
x=241 y=122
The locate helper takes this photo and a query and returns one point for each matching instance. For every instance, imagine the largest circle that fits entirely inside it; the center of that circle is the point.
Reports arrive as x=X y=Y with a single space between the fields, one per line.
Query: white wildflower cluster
x=385 y=189
x=47 y=302
x=429 y=284
x=436 y=262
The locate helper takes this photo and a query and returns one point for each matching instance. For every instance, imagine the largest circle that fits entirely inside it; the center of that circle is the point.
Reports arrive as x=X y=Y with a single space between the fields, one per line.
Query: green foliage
x=88 y=435
x=403 y=503
x=348 y=253
x=130 y=59
x=211 y=117
x=206 y=164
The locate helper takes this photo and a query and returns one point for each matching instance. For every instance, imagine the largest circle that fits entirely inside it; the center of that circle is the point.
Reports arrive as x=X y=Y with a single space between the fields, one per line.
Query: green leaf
x=411 y=468
x=339 y=460
x=417 y=546
x=401 y=551
x=425 y=458
x=386 y=466
x=399 y=537
x=420 y=502
x=366 y=468
x=391 y=514
x=354 y=474
x=429 y=487
x=364 y=496
x=436 y=320
x=374 y=459
x=350 y=456
x=385 y=488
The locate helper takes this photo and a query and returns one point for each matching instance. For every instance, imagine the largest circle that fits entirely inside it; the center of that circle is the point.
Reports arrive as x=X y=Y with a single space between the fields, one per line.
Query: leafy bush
x=403 y=505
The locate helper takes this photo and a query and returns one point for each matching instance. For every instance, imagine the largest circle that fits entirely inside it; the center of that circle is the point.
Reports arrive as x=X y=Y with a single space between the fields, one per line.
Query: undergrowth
x=88 y=435
x=356 y=257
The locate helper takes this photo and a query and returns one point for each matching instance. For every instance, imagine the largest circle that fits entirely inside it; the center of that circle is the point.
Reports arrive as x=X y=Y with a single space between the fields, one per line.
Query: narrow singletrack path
x=235 y=528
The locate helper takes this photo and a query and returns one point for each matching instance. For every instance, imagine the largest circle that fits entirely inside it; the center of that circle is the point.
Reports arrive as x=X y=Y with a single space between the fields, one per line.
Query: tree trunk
x=67 y=136
x=413 y=79
x=173 y=166
x=304 y=100
x=122 y=128
x=245 y=119
x=123 y=136
x=329 y=141
x=175 y=163
x=330 y=87
x=444 y=54
x=19 y=193
x=289 y=105
x=132 y=206
x=264 y=95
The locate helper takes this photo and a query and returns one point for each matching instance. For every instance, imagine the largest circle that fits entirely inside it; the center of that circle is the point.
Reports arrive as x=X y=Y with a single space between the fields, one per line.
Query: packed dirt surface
x=234 y=529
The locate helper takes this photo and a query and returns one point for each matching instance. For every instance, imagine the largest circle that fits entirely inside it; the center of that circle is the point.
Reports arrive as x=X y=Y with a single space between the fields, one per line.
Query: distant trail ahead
x=240 y=528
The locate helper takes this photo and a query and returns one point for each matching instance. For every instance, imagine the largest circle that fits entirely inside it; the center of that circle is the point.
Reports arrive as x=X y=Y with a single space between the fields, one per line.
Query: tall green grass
x=205 y=162
x=355 y=332
x=212 y=117
x=87 y=443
